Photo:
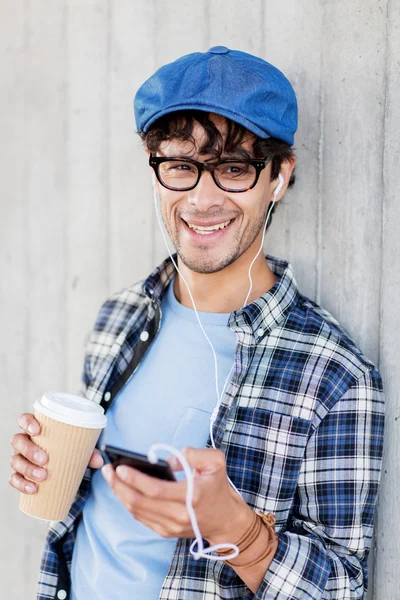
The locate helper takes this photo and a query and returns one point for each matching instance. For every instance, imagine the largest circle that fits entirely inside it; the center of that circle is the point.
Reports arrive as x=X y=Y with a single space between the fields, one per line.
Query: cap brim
x=213 y=109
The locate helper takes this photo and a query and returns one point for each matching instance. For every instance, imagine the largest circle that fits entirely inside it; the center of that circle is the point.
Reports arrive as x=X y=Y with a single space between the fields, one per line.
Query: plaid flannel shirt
x=301 y=425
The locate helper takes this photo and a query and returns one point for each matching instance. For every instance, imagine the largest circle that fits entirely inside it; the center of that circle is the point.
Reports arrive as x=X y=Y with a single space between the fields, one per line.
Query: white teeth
x=208 y=230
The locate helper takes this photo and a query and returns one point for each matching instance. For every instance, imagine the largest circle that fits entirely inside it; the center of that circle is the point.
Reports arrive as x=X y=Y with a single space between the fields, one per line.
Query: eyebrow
x=186 y=156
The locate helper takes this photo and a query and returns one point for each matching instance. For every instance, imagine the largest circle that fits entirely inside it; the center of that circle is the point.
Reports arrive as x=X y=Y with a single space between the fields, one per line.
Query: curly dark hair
x=179 y=125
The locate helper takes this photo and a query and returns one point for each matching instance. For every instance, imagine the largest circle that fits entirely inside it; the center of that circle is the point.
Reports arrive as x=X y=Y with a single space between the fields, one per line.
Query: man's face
x=242 y=214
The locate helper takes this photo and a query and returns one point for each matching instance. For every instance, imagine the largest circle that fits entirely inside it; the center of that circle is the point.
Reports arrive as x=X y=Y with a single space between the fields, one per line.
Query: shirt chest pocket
x=264 y=453
x=192 y=429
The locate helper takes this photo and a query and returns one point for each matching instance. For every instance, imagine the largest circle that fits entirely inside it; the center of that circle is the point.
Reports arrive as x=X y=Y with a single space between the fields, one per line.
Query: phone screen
x=118 y=456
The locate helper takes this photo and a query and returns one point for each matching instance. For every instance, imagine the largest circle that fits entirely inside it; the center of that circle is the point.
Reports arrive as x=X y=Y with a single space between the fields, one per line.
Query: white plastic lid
x=70 y=409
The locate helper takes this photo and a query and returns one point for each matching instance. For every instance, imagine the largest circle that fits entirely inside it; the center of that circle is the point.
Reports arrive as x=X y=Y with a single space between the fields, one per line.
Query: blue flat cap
x=231 y=83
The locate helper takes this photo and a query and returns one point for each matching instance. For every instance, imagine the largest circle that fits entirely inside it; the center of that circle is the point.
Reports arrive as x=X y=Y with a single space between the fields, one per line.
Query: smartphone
x=117 y=456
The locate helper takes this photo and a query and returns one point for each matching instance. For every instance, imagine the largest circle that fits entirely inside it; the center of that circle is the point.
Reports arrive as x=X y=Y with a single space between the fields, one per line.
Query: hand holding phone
x=118 y=456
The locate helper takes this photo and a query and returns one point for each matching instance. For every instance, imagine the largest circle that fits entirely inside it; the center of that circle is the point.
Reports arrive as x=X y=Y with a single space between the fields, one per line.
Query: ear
x=147 y=151
x=286 y=169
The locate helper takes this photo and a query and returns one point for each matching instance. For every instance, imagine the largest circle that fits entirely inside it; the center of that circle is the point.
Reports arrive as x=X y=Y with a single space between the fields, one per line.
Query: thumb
x=96 y=460
x=203 y=460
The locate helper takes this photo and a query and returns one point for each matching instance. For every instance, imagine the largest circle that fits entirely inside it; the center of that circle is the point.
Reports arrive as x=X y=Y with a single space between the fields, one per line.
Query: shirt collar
x=156 y=284
x=270 y=309
x=262 y=315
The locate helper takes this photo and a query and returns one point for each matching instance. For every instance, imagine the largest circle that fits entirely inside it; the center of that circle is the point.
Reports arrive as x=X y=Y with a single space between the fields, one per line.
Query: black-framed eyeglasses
x=230 y=175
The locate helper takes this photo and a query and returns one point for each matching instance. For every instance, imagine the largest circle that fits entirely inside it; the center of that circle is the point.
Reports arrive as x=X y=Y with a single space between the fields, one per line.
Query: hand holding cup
x=50 y=458
x=28 y=461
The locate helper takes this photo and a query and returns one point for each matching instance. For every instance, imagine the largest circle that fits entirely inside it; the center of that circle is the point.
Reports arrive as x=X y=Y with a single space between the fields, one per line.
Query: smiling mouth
x=209 y=229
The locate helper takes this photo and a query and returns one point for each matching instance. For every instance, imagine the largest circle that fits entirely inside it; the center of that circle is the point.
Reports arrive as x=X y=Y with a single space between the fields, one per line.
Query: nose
x=206 y=194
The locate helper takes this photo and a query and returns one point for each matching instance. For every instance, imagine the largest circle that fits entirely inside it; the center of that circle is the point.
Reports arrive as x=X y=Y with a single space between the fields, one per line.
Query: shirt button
x=107 y=396
x=62 y=594
x=144 y=336
x=115 y=348
x=260 y=332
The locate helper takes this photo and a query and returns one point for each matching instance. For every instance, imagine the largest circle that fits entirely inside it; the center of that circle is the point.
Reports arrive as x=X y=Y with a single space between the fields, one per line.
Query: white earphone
x=279 y=186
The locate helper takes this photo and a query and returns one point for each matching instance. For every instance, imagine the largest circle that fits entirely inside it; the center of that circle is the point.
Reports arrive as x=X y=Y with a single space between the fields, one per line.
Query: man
x=299 y=421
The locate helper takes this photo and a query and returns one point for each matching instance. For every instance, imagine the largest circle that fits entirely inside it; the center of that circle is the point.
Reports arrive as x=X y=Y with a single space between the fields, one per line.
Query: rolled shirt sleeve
x=323 y=553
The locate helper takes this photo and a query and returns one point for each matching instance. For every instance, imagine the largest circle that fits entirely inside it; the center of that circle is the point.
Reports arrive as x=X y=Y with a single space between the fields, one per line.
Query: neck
x=226 y=290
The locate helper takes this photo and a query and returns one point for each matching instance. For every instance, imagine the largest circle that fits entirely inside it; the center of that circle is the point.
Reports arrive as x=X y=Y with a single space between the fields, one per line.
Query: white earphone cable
x=152 y=456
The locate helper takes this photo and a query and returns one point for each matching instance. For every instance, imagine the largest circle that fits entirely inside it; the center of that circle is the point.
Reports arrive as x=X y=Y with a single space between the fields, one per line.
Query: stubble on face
x=206 y=260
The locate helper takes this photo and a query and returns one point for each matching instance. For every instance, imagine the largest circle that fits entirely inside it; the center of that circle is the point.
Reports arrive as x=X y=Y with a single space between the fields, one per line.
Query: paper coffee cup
x=70 y=428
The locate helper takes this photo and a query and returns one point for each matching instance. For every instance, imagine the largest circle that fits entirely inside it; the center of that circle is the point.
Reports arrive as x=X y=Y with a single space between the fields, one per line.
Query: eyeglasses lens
x=235 y=176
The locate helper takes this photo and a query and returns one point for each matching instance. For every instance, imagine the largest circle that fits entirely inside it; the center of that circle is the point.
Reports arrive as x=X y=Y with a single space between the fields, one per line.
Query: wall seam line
x=262 y=21
x=380 y=331
x=383 y=163
x=109 y=236
x=153 y=212
x=318 y=265
x=207 y=22
x=67 y=195
x=26 y=218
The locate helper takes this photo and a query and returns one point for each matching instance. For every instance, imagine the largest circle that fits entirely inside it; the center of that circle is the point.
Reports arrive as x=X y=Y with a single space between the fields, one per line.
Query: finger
x=122 y=491
x=27 y=469
x=157 y=527
x=96 y=460
x=109 y=474
x=19 y=483
x=28 y=423
x=169 y=514
x=24 y=446
x=170 y=519
x=174 y=463
x=152 y=487
x=125 y=493
x=205 y=460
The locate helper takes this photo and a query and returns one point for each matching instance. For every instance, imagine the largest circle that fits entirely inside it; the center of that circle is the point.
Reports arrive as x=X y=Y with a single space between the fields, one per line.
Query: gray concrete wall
x=76 y=214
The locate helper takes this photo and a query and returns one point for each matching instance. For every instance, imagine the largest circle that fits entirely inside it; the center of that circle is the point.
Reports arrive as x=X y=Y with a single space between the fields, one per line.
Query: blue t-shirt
x=169 y=399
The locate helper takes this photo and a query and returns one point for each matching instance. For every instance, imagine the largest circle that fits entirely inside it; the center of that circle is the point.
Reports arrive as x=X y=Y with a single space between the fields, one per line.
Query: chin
x=207 y=265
